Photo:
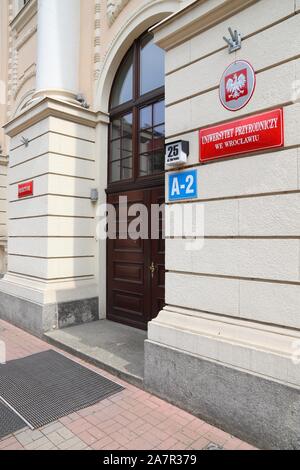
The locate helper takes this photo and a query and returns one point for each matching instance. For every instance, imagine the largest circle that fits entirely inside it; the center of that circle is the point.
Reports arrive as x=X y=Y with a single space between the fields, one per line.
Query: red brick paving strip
x=130 y=420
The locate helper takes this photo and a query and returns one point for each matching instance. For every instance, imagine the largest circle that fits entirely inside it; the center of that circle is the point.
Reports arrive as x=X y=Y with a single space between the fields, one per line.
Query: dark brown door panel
x=135 y=293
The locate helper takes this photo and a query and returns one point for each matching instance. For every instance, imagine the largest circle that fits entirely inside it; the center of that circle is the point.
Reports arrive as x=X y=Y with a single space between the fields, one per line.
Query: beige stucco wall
x=22 y=51
x=232 y=300
x=3 y=69
x=54 y=255
x=87 y=48
x=101 y=24
x=3 y=138
x=51 y=245
x=22 y=55
x=18 y=75
x=99 y=30
x=110 y=28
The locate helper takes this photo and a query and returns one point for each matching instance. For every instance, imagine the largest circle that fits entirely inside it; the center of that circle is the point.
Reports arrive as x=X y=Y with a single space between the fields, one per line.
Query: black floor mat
x=9 y=421
x=46 y=386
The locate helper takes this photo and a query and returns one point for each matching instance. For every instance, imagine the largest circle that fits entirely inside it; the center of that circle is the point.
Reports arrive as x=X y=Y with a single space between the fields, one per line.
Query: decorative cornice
x=19 y=33
x=3 y=160
x=97 y=58
x=28 y=34
x=24 y=15
x=30 y=73
x=114 y=8
x=10 y=60
x=47 y=107
x=195 y=18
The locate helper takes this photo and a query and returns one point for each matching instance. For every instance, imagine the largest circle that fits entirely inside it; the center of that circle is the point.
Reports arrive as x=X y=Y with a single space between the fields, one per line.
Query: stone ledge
x=41 y=318
x=32 y=317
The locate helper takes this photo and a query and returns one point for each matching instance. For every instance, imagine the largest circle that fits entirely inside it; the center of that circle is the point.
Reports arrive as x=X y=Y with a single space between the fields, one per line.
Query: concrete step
x=116 y=348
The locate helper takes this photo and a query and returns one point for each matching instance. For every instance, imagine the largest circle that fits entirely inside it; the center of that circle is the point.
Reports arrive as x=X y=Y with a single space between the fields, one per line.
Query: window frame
x=133 y=106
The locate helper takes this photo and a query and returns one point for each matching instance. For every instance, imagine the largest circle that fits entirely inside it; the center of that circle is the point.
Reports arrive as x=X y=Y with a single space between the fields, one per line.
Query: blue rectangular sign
x=183 y=185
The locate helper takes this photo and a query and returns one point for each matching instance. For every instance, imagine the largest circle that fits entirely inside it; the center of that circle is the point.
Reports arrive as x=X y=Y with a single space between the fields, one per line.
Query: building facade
x=90 y=90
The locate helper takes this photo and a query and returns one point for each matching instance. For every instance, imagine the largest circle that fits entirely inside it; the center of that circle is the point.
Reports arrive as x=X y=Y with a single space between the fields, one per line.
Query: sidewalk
x=130 y=420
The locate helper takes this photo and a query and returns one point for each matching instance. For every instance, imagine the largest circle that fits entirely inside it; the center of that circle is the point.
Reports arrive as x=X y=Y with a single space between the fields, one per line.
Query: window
x=121 y=148
x=123 y=86
x=151 y=139
x=137 y=110
x=152 y=59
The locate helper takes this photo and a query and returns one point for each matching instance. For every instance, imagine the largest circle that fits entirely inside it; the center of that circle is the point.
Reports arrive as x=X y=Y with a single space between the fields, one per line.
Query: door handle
x=152 y=269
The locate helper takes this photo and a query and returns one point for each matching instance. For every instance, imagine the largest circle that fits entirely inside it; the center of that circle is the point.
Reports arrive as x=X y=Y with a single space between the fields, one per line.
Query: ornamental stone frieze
x=114 y=7
x=21 y=53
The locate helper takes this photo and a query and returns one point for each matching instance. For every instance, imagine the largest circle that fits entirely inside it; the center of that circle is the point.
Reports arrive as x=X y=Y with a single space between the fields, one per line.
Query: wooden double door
x=136 y=266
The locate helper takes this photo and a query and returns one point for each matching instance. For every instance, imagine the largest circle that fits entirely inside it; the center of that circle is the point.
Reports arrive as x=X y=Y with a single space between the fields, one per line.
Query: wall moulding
x=195 y=18
x=97 y=38
x=24 y=16
x=29 y=33
x=20 y=31
x=50 y=107
x=137 y=22
x=114 y=8
x=28 y=74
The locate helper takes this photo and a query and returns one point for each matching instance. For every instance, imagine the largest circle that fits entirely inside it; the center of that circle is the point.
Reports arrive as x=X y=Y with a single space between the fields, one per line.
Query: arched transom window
x=137 y=111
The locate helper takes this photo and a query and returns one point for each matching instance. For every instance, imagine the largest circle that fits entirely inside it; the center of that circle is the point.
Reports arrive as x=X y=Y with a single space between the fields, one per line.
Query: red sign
x=25 y=189
x=259 y=132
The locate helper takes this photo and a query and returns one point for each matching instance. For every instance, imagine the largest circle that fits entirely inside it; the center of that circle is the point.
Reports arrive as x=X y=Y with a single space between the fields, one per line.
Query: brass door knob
x=152 y=269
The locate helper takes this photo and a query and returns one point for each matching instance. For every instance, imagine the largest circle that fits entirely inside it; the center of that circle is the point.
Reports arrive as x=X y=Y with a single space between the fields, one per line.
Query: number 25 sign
x=176 y=152
x=183 y=185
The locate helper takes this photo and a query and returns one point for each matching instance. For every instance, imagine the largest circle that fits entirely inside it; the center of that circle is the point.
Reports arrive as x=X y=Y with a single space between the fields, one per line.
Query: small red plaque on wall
x=252 y=134
x=25 y=189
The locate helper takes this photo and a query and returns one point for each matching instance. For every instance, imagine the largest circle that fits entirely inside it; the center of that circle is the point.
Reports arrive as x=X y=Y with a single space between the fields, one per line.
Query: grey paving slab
x=115 y=347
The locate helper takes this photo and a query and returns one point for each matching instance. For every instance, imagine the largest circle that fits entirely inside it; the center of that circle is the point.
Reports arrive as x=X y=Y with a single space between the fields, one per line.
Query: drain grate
x=9 y=421
x=47 y=386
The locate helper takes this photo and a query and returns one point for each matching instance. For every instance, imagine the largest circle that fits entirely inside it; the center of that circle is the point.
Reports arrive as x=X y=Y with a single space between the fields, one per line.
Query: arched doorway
x=135 y=268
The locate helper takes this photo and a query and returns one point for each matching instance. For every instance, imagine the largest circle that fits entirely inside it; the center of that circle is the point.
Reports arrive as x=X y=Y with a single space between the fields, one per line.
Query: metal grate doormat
x=47 y=386
x=9 y=421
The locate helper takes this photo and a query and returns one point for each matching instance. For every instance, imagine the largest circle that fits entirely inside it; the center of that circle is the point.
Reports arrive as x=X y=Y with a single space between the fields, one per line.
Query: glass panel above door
x=152 y=65
x=123 y=85
x=137 y=116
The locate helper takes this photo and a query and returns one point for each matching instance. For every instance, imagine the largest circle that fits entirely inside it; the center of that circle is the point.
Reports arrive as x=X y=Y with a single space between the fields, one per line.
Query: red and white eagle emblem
x=236 y=85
